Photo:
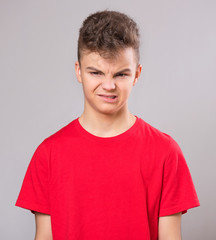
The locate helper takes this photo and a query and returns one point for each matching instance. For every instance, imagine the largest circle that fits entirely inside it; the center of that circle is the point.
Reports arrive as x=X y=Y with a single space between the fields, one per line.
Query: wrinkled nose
x=108 y=84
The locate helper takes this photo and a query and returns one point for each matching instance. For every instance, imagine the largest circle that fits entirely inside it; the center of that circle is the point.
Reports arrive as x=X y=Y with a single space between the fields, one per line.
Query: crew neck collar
x=118 y=137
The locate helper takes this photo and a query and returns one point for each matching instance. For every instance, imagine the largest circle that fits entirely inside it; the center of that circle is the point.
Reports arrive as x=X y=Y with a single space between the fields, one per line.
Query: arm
x=43 y=227
x=170 y=227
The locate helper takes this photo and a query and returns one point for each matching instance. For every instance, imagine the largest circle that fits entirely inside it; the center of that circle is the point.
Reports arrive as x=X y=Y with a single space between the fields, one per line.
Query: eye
x=95 y=73
x=121 y=75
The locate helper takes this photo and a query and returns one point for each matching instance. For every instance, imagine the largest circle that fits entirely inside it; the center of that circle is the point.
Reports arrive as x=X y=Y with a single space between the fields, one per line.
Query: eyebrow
x=95 y=69
x=124 y=70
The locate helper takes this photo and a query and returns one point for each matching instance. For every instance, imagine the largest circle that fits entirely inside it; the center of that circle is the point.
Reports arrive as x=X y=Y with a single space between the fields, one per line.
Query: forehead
x=124 y=57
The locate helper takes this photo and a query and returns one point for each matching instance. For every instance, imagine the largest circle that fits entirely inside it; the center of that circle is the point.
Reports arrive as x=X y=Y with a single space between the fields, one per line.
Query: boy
x=108 y=175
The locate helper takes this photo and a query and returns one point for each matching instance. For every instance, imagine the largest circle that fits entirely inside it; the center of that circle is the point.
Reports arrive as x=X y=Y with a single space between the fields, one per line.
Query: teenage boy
x=108 y=175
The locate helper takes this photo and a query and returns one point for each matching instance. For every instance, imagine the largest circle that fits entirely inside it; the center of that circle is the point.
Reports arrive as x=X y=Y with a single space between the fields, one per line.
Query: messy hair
x=108 y=32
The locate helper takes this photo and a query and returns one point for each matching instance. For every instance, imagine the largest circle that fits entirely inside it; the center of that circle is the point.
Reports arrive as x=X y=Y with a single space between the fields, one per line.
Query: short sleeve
x=178 y=191
x=34 y=193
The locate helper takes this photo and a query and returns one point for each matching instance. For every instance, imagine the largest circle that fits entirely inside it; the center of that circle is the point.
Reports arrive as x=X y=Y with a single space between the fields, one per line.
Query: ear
x=78 y=71
x=137 y=74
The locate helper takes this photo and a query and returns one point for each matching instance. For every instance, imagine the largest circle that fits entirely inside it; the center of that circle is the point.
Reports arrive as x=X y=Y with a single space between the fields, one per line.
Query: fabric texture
x=107 y=188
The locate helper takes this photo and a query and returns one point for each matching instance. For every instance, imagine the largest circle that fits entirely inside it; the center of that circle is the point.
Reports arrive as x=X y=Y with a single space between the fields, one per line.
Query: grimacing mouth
x=109 y=96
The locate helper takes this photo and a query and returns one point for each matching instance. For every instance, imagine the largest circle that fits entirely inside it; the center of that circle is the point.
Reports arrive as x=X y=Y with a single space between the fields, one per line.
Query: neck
x=107 y=125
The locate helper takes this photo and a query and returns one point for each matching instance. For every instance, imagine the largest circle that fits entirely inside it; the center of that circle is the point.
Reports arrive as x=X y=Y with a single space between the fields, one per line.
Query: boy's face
x=107 y=83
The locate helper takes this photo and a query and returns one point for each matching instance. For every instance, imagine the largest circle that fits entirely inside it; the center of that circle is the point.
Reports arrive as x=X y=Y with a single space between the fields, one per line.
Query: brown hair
x=107 y=32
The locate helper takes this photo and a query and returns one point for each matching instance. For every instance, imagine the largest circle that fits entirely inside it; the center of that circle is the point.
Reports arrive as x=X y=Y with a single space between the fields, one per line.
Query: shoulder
x=152 y=134
x=61 y=136
x=157 y=140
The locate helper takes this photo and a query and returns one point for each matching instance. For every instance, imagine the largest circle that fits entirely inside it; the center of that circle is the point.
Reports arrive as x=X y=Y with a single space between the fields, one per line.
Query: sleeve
x=178 y=191
x=34 y=193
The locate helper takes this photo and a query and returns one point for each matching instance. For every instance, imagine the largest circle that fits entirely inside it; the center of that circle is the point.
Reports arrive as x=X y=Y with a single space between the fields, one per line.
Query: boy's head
x=108 y=32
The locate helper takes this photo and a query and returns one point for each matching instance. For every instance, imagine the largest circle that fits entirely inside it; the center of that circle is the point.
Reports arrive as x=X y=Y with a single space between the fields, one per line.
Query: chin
x=110 y=111
x=107 y=111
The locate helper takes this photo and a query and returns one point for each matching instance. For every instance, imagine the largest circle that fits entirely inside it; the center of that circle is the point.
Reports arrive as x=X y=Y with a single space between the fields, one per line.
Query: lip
x=107 y=98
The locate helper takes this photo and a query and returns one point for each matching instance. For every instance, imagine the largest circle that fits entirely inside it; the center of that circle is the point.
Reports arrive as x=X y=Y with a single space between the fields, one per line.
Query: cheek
x=89 y=86
x=126 y=88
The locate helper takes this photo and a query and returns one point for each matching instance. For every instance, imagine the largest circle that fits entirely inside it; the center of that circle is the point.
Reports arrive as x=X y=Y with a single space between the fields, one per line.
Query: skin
x=103 y=118
x=43 y=227
x=170 y=227
x=100 y=76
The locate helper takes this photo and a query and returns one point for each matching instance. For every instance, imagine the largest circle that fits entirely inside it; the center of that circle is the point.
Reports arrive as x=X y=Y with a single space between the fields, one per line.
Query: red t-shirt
x=107 y=188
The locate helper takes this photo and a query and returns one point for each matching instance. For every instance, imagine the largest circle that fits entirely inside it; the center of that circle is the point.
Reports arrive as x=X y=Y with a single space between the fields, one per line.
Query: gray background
x=39 y=92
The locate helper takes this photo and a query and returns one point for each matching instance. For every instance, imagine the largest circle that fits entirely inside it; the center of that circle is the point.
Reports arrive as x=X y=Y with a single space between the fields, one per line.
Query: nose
x=108 y=83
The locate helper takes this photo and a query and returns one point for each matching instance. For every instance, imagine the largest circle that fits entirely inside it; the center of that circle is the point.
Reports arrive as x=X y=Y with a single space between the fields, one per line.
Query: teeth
x=108 y=96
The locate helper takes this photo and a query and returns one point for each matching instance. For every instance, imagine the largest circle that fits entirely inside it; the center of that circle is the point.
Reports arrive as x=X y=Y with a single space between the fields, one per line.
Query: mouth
x=108 y=96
